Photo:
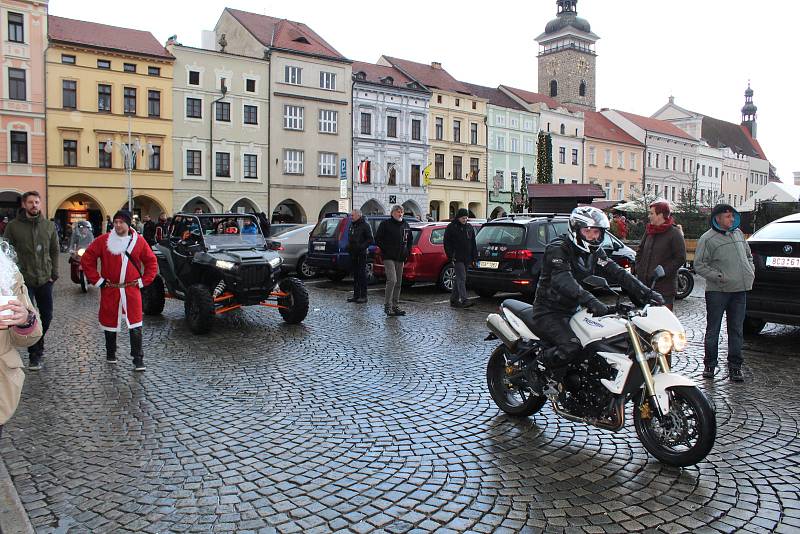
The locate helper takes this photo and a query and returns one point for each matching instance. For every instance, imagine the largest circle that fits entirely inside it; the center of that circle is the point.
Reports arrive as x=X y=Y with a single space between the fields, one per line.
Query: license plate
x=488 y=264
x=780 y=261
x=319 y=246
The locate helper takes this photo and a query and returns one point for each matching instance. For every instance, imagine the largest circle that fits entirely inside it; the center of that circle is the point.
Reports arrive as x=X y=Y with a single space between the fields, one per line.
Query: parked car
x=292 y=245
x=511 y=249
x=327 y=244
x=279 y=228
x=428 y=261
x=776 y=291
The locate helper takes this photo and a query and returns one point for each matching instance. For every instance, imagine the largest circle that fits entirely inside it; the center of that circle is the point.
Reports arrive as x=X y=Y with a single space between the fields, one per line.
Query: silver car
x=292 y=245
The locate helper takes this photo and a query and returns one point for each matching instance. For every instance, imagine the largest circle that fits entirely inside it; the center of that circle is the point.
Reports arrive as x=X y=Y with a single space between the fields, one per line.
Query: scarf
x=653 y=229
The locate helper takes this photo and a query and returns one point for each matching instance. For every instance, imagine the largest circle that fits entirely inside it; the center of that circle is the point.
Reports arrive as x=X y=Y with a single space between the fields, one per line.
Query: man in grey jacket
x=724 y=259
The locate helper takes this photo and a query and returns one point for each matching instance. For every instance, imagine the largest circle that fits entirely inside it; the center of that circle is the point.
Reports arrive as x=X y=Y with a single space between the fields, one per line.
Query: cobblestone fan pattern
x=355 y=422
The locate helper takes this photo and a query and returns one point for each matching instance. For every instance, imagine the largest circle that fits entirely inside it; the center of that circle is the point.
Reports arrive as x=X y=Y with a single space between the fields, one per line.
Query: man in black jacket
x=460 y=247
x=568 y=260
x=394 y=239
x=149 y=230
x=359 y=240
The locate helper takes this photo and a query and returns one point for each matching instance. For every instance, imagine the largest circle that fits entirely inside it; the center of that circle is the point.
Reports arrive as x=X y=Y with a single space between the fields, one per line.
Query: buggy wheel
x=295 y=304
x=199 y=309
x=153 y=297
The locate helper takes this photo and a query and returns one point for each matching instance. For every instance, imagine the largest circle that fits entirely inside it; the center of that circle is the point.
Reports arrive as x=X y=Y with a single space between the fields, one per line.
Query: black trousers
x=553 y=327
x=42 y=296
x=359 y=275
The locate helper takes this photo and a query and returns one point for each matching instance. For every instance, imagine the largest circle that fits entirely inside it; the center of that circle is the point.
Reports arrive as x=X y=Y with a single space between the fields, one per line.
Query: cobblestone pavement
x=356 y=422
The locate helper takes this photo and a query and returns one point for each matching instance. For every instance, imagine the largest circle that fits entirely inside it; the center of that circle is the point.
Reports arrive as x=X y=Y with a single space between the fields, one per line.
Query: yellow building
x=457 y=137
x=614 y=159
x=102 y=82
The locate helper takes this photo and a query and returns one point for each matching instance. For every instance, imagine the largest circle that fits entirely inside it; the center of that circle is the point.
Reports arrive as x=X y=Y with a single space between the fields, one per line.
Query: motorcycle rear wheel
x=511 y=398
x=685 y=435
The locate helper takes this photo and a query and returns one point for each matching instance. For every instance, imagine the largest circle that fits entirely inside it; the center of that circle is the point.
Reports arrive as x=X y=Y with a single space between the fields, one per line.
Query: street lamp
x=129 y=152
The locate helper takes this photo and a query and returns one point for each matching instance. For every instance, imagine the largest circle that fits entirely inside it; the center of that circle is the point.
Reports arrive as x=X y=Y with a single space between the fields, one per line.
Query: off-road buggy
x=216 y=263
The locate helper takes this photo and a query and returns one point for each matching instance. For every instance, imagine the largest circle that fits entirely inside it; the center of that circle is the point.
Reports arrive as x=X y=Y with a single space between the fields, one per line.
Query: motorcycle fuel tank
x=589 y=328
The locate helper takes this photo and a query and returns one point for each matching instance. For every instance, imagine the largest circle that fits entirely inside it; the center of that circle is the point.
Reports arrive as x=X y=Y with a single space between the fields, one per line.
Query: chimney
x=436 y=65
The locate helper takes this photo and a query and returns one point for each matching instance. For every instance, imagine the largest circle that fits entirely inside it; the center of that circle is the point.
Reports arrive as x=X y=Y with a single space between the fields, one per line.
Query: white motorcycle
x=624 y=360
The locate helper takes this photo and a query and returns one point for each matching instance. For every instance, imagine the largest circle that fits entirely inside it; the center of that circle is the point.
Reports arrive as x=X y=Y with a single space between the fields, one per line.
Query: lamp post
x=129 y=152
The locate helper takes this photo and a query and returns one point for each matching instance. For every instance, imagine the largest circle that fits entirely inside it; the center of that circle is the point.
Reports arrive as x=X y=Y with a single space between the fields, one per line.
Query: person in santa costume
x=127 y=265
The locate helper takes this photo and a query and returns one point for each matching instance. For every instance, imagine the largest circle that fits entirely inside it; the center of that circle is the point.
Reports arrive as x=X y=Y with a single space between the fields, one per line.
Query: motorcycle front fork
x=641 y=358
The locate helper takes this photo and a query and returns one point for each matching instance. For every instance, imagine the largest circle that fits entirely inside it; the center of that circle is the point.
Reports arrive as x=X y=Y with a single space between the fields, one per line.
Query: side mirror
x=274 y=245
x=597 y=282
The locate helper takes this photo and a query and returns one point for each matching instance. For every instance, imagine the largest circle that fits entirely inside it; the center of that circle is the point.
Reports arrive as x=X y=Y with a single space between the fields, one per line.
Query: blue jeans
x=733 y=305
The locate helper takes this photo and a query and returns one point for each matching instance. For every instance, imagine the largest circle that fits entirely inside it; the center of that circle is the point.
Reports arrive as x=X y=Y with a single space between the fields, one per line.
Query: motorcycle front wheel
x=685 y=283
x=512 y=398
x=682 y=437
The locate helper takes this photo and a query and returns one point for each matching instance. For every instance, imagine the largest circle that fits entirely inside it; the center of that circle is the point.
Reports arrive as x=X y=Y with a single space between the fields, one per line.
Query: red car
x=427 y=262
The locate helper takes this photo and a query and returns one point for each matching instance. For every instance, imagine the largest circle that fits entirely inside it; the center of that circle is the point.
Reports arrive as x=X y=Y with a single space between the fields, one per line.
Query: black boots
x=111 y=346
x=136 y=348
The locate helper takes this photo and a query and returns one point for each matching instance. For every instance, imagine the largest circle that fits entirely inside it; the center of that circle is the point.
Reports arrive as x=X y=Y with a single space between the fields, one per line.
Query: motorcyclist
x=568 y=260
x=81 y=237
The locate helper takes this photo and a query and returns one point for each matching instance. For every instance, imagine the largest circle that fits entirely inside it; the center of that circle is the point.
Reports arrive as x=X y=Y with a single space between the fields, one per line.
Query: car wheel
x=370 y=273
x=753 y=326
x=304 y=270
x=336 y=276
x=153 y=297
x=199 y=309
x=447 y=278
x=294 y=306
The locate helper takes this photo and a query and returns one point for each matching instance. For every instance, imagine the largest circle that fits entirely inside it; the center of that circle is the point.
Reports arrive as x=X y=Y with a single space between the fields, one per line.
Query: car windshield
x=222 y=232
x=326 y=227
x=500 y=234
x=784 y=231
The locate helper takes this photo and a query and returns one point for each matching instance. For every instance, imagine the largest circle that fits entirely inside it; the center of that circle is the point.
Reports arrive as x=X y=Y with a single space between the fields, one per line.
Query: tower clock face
x=583 y=66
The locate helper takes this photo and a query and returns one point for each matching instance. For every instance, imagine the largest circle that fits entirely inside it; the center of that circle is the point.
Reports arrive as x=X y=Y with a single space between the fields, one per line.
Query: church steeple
x=749 y=112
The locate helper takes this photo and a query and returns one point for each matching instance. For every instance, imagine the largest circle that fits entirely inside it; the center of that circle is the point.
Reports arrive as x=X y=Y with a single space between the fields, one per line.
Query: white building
x=390 y=140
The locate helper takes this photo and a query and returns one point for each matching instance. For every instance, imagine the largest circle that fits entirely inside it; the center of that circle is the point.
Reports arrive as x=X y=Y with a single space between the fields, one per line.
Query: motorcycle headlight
x=662 y=341
x=275 y=262
x=81 y=251
x=679 y=341
x=227 y=265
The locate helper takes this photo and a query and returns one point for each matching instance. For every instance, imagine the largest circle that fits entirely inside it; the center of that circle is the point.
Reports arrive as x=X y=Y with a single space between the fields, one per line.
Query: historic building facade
x=613 y=158
x=390 y=140
x=107 y=88
x=222 y=97
x=310 y=112
x=22 y=113
x=457 y=137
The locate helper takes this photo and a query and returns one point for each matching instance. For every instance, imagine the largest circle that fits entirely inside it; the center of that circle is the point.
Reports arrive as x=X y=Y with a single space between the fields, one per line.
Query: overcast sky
x=701 y=51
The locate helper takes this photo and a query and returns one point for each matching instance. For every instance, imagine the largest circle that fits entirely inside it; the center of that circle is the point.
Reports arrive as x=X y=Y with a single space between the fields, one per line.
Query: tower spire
x=567 y=6
x=749 y=111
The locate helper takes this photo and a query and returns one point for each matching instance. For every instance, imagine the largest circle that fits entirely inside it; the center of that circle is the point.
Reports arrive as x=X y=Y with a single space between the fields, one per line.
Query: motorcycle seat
x=521 y=309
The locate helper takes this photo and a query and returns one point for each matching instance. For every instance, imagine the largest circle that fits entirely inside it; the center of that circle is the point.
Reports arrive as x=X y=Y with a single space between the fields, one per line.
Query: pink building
x=23 y=28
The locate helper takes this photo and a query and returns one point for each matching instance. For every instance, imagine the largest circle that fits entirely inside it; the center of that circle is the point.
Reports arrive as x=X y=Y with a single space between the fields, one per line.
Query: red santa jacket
x=121 y=303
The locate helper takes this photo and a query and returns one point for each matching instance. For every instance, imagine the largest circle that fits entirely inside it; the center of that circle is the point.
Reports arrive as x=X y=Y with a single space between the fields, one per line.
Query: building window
x=658 y=156
x=391 y=173
x=293 y=161
x=250 y=167
x=103 y=64
x=574 y=156
x=69 y=94
x=16 y=84
x=457 y=168
x=649 y=159
x=365 y=172
x=582 y=89
x=154 y=71
x=562 y=155
x=592 y=156
x=474 y=170
x=104 y=98
x=194 y=108
x=607 y=190
x=500 y=120
x=473 y=133
x=129 y=100
x=553 y=88
x=474 y=105
x=563 y=130
x=155 y=158
x=19 y=147
x=293 y=75
x=438 y=99
x=366 y=123
x=620 y=159
x=633 y=161
x=456 y=131
x=223 y=112
x=129 y=67
x=193 y=162
x=250 y=85
x=415 y=176
x=67 y=59
x=250 y=114
x=529 y=146
x=103 y=157
x=292 y=117
x=607 y=157
x=16 y=27
x=514 y=145
x=391 y=126
x=70 y=153
x=416 y=129
x=328 y=121
x=438 y=171
x=223 y=165
x=458 y=102
x=621 y=191
x=501 y=143
x=327 y=80
x=134 y=155
x=439 y=128
x=194 y=77
x=153 y=103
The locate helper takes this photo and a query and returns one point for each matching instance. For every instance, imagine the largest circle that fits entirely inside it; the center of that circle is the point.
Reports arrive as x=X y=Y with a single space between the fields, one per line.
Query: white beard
x=117 y=244
x=8 y=274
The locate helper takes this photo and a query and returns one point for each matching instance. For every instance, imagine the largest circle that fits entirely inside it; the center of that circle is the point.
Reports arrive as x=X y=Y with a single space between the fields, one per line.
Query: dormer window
x=388 y=80
x=361 y=75
x=301 y=40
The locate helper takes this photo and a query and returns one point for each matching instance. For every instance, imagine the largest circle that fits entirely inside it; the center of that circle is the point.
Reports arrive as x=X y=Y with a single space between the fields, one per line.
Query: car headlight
x=227 y=265
x=81 y=251
x=275 y=262
x=662 y=342
x=679 y=341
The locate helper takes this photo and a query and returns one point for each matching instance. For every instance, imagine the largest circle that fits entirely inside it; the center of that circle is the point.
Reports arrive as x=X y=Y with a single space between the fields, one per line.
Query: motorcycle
x=623 y=360
x=82 y=237
x=685 y=281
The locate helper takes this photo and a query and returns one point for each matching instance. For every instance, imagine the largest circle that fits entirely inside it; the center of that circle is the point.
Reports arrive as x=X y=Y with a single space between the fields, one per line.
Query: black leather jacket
x=565 y=266
x=359 y=238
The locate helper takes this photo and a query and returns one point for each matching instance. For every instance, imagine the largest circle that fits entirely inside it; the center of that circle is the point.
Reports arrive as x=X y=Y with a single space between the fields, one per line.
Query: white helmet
x=587 y=217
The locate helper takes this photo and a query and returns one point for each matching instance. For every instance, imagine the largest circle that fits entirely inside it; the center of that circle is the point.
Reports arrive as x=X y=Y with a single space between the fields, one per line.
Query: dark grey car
x=292 y=245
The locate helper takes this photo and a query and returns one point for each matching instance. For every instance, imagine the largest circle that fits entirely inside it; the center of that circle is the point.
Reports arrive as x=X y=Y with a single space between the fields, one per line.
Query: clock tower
x=567 y=60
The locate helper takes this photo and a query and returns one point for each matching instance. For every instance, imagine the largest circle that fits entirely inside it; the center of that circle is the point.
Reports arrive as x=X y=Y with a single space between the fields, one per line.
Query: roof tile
x=534 y=98
x=92 y=34
x=495 y=96
x=376 y=73
x=597 y=126
x=436 y=78
x=656 y=125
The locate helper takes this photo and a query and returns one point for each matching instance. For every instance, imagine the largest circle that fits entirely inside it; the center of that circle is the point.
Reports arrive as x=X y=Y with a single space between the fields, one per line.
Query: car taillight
x=625 y=263
x=521 y=254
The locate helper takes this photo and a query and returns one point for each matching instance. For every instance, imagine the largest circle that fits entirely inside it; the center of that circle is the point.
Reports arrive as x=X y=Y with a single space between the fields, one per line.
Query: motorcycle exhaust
x=499 y=327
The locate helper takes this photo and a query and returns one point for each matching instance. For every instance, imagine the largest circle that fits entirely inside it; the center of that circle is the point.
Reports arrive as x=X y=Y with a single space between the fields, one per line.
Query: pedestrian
x=394 y=239
x=149 y=230
x=359 y=240
x=162 y=227
x=662 y=244
x=198 y=210
x=127 y=265
x=461 y=249
x=36 y=243
x=263 y=222
x=137 y=224
x=109 y=224
x=19 y=327
x=724 y=259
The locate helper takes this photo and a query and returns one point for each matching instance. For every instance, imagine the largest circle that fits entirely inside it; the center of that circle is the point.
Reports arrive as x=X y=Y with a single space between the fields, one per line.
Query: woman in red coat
x=127 y=264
